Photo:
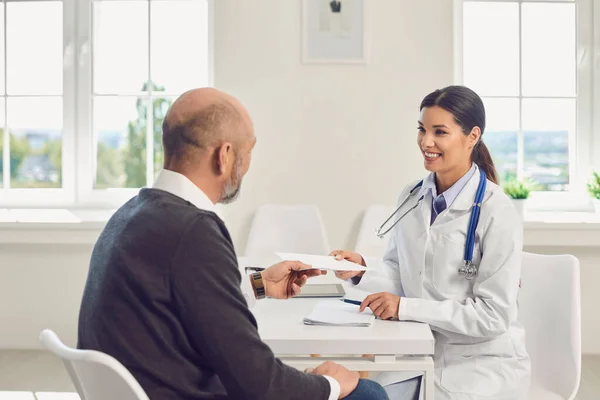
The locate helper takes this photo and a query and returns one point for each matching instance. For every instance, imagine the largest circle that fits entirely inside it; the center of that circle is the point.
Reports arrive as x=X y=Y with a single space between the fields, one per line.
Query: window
x=83 y=95
x=31 y=94
x=527 y=61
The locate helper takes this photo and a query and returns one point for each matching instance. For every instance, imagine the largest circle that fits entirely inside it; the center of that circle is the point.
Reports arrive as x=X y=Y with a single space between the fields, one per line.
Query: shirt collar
x=429 y=185
x=453 y=191
x=180 y=186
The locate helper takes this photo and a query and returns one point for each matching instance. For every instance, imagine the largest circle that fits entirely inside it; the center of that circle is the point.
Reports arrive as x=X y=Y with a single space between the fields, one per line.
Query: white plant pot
x=596 y=205
x=520 y=206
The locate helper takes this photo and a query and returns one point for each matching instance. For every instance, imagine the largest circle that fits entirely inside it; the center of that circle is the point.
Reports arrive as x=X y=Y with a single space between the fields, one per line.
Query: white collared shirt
x=442 y=201
x=180 y=186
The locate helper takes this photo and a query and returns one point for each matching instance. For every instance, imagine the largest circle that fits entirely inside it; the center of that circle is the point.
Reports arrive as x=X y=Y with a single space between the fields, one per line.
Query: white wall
x=315 y=126
x=40 y=287
x=339 y=136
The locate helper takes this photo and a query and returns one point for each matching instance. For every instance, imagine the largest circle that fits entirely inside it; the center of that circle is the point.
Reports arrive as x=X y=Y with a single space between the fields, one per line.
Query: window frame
x=584 y=149
x=59 y=196
x=78 y=139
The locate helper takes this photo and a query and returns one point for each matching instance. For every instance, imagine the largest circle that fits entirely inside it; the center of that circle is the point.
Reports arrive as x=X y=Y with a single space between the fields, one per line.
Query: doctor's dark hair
x=469 y=112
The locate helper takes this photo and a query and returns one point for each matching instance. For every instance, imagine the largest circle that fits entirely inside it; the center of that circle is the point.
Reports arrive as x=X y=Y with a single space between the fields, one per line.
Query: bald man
x=164 y=295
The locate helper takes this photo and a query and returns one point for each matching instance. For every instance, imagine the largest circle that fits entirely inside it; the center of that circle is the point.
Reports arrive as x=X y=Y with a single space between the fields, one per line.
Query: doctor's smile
x=431 y=156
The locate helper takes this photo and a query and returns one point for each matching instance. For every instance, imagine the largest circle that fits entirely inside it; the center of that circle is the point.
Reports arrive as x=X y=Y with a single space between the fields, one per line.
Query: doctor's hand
x=384 y=305
x=285 y=279
x=347 y=379
x=352 y=257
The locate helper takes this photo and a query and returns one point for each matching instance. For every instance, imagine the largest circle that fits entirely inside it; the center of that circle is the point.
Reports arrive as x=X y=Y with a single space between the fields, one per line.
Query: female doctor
x=480 y=345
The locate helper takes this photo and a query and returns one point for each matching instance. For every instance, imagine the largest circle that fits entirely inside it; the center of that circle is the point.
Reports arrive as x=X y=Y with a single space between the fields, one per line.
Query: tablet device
x=322 y=290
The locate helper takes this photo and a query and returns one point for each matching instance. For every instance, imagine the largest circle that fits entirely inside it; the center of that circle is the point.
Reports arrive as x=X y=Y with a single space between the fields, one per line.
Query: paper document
x=322 y=262
x=338 y=313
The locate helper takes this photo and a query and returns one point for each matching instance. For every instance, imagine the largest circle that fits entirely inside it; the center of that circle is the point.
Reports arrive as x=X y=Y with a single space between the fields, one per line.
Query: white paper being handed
x=322 y=262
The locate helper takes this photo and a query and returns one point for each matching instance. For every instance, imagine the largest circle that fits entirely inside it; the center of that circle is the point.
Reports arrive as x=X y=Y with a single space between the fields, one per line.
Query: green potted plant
x=593 y=187
x=518 y=191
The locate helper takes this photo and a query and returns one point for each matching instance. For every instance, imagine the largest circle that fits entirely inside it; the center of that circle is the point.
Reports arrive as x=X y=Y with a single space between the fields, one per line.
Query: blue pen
x=358 y=303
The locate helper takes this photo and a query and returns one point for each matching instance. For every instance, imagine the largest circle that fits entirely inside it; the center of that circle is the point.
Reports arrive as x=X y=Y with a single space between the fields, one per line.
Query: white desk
x=397 y=346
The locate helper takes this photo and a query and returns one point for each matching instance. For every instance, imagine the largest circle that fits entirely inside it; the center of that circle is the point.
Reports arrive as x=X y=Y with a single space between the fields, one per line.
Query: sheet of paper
x=338 y=313
x=322 y=262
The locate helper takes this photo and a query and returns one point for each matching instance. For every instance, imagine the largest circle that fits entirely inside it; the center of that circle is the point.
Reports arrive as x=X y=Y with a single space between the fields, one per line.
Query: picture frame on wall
x=334 y=31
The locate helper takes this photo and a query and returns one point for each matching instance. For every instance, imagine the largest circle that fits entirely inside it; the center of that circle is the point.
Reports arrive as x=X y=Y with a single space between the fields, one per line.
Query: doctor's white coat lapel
x=464 y=201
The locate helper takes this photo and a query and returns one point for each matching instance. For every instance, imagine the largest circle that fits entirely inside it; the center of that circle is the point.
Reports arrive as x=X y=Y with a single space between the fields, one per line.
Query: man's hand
x=348 y=380
x=352 y=257
x=285 y=279
x=384 y=305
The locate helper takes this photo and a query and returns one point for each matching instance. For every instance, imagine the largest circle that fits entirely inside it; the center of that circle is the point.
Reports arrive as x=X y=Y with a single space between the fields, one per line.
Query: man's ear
x=224 y=158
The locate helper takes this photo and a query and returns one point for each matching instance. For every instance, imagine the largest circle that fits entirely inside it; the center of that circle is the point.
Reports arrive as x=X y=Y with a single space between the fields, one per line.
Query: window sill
x=564 y=229
x=578 y=229
x=52 y=226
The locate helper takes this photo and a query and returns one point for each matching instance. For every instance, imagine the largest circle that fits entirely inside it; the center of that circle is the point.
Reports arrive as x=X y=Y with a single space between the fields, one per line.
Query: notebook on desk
x=338 y=313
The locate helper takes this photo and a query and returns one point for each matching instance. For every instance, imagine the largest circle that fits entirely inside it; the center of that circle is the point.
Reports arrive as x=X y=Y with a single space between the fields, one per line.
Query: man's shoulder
x=163 y=205
x=156 y=212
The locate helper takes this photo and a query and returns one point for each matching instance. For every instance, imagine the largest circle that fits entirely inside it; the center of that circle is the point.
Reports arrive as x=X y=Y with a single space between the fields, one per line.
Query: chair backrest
x=368 y=244
x=292 y=229
x=550 y=311
x=96 y=376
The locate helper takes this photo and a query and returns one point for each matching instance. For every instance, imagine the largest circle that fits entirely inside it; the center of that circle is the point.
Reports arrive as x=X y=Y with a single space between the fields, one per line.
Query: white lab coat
x=480 y=346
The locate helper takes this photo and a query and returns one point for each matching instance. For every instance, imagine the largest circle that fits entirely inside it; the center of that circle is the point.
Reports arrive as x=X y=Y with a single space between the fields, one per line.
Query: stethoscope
x=468 y=270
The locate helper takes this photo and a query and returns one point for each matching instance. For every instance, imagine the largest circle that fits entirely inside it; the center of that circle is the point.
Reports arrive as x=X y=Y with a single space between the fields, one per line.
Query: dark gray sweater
x=163 y=297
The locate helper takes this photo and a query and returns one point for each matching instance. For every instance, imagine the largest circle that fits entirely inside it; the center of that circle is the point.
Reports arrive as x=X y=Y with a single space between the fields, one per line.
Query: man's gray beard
x=230 y=191
x=230 y=194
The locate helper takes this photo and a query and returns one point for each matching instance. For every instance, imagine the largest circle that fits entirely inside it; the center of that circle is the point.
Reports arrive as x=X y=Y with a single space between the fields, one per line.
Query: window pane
x=34 y=34
x=2 y=121
x=160 y=107
x=121 y=46
x=180 y=67
x=549 y=49
x=35 y=143
x=500 y=135
x=547 y=126
x=120 y=131
x=491 y=48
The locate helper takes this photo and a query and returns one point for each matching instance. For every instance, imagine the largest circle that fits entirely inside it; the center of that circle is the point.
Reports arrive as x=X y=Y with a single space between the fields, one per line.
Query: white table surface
x=280 y=326
x=396 y=346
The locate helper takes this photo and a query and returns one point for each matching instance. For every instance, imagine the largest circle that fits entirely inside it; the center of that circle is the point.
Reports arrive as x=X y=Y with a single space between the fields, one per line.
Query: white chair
x=368 y=244
x=549 y=309
x=96 y=376
x=291 y=229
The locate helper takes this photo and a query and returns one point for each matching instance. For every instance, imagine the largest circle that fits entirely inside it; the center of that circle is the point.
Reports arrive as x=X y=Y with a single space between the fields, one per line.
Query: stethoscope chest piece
x=468 y=270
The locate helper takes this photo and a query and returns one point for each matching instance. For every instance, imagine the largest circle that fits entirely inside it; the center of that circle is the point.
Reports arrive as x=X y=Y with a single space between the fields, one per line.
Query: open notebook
x=338 y=313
